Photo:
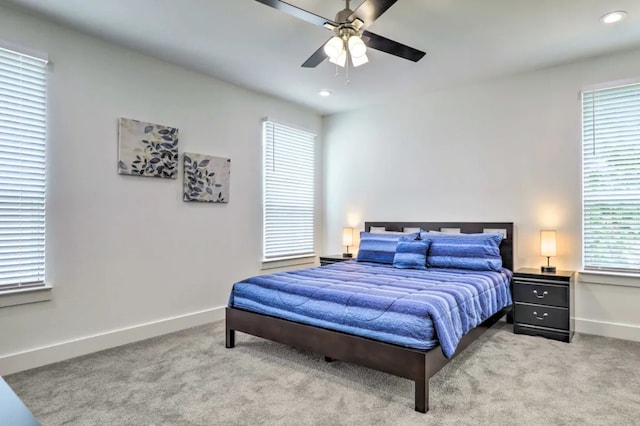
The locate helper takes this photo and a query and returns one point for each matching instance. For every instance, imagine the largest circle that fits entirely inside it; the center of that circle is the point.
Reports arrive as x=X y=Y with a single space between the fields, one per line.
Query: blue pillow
x=380 y=248
x=480 y=252
x=411 y=254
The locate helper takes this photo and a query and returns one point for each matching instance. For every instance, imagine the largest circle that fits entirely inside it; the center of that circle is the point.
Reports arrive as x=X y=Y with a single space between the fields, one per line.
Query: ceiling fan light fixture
x=334 y=47
x=349 y=23
x=357 y=48
x=359 y=60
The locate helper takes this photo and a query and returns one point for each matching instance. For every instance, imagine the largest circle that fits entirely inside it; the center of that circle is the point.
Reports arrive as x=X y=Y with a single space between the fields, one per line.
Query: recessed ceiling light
x=613 y=17
x=324 y=93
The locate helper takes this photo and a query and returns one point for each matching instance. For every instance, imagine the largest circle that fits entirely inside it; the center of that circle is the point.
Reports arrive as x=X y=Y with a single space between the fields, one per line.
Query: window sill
x=285 y=263
x=609 y=278
x=23 y=296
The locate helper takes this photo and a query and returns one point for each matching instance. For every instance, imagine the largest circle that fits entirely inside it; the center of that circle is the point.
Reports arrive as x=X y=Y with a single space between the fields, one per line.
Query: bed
x=296 y=308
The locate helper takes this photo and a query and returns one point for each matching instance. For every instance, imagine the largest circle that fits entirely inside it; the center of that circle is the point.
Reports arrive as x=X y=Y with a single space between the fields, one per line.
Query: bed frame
x=400 y=361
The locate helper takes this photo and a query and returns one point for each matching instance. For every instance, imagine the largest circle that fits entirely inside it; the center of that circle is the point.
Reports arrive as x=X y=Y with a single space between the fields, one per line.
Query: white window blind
x=288 y=202
x=611 y=179
x=23 y=100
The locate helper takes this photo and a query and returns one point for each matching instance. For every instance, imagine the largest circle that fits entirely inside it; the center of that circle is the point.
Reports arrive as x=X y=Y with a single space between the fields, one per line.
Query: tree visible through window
x=611 y=178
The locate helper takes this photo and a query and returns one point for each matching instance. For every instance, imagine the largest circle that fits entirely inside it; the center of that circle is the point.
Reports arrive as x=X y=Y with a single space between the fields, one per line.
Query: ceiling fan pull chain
x=347 y=81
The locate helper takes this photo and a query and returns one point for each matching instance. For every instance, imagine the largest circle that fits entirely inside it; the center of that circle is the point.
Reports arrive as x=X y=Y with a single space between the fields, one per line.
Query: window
x=288 y=200
x=23 y=101
x=611 y=178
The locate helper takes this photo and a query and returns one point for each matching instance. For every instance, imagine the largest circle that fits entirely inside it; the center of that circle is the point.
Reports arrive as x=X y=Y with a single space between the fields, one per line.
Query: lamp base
x=346 y=255
x=548 y=269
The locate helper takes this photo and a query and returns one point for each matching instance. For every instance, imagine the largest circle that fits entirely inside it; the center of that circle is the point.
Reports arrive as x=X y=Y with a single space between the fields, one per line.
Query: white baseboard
x=608 y=329
x=37 y=357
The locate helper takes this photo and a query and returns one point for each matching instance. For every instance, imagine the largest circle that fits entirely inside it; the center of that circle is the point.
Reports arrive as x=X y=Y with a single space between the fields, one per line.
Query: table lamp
x=347 y=240
x=548 y=248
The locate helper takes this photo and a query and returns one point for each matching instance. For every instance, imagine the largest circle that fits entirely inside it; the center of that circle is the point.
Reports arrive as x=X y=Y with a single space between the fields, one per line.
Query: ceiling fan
x=351 y=38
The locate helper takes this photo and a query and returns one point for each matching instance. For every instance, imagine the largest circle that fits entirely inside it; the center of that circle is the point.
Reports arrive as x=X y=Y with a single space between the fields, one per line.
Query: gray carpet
x=189 y=378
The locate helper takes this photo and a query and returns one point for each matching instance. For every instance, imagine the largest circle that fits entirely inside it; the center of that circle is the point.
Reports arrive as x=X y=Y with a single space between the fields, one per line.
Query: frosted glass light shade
x=357 y=48
x=341 y=60
x=548 y=243
x=359 y=60
x=334 y=47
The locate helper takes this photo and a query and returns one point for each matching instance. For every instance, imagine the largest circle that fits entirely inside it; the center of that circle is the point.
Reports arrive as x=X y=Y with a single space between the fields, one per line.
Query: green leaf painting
x=206 y=178
x=146 y=149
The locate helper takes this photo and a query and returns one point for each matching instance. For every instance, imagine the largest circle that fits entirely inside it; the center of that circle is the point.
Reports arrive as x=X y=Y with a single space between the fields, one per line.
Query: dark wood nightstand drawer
x=563 y=336
x=542 y=316
x=544 y=294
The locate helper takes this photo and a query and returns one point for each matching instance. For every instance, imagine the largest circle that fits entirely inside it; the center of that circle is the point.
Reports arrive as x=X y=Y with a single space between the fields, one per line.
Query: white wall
x=128 y=258
x=504 y=150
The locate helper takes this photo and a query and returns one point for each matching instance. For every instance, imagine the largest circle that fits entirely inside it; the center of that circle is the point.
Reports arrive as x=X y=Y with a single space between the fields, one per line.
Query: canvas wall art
x=146 y=149
x=206 y=178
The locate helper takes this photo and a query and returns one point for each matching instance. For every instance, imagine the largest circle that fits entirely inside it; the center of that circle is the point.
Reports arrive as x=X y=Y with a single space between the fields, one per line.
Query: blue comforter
x=412 y=308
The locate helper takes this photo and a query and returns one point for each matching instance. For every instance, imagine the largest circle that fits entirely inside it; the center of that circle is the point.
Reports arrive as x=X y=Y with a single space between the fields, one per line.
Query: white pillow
x=377 y=229
x=496 y=231
x=383 y=230
x=411 y=230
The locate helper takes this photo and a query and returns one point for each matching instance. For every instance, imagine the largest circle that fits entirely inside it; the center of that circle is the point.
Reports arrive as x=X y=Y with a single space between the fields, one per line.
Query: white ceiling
x=252 y=45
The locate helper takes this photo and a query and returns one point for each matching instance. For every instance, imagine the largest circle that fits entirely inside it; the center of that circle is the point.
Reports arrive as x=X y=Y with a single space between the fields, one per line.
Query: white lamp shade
x=548 y=243
x=334 y=47
x=357 y=48
x=359 y=60
x=341 y=60
x=347 y=236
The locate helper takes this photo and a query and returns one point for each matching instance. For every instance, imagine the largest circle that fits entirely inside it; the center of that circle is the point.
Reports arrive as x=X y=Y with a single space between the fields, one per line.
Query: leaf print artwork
x=146 y=149
x=206 y=178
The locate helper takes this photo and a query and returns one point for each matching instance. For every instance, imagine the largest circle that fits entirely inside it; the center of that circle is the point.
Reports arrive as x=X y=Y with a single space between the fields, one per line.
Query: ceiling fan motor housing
x=347 y=28
x=342 y=17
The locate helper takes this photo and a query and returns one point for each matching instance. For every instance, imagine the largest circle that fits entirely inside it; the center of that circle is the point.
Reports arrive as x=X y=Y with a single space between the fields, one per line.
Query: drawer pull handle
x=544 y=293
x=542 y=317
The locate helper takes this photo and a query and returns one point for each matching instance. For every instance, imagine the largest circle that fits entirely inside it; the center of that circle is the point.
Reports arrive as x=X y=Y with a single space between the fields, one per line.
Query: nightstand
x=543 y=303
x=333 y=258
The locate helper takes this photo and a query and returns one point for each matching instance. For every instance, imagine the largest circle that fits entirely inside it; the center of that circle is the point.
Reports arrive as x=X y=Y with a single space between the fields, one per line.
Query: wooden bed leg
x=422 y=395
x=510 y=316
x=230 y=338
x=328 y=359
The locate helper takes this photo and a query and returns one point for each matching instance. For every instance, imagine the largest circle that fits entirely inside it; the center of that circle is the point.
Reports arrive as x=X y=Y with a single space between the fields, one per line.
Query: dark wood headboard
x=506 y=247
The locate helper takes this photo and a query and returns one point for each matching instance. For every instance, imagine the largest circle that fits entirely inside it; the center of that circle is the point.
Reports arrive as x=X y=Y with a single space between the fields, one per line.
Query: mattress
x=413 y=308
